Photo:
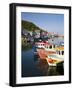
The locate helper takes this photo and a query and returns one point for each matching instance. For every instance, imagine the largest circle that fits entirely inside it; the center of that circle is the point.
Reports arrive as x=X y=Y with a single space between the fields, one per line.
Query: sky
x=46 y=21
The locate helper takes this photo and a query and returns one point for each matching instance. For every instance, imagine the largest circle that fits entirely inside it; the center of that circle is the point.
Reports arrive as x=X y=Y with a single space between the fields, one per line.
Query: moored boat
x=54 y=59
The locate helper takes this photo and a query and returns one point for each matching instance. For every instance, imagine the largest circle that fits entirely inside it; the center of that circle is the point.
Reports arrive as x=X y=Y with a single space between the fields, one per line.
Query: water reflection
x=47 y=70
x=32 y=66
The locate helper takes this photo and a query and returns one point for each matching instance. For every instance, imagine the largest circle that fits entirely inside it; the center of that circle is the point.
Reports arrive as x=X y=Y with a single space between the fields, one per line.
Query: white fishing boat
x=39 y=44
x=54 y=59
x=50 y=47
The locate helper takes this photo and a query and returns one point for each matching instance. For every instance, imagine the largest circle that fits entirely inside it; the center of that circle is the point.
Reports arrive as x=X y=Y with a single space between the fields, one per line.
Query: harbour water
x=33 y=66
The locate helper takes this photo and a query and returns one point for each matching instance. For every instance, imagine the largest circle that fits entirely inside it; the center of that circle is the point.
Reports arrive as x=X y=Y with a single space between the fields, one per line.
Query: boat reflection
x=47 y=70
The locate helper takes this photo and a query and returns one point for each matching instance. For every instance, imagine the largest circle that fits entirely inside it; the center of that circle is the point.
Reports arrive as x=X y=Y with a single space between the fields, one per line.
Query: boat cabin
x=60 y=50
x=40 y=44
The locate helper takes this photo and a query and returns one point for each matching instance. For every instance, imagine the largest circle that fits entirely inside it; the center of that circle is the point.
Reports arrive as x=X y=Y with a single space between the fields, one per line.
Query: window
x=54 y=46
x=59 y=52
x=50 y=46
x=62 y=52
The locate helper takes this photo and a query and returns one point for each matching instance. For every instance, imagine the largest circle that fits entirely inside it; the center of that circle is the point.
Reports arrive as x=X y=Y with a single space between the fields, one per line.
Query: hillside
x=30 y=26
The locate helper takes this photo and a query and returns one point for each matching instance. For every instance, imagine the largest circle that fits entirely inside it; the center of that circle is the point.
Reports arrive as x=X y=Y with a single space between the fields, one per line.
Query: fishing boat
x=43 y=54
x=39 y=44
x=54 y=59
x=46 y=46
x=50 y=47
